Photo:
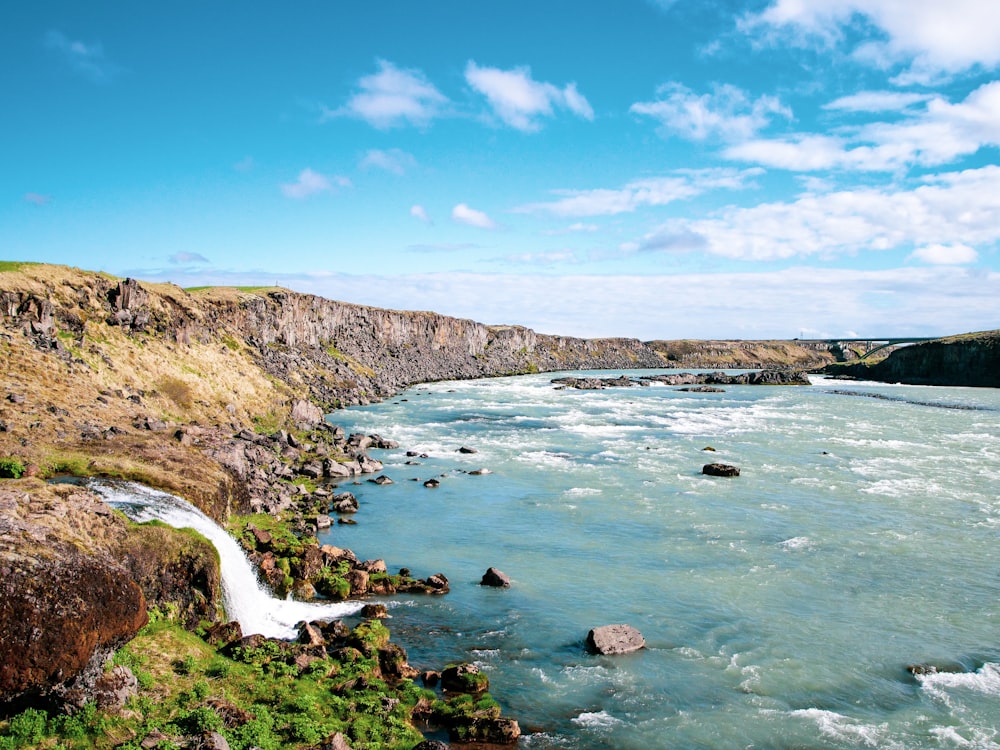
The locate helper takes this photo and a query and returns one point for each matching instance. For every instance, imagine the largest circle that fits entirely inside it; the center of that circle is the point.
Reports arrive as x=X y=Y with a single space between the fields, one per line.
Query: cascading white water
x=244 y=598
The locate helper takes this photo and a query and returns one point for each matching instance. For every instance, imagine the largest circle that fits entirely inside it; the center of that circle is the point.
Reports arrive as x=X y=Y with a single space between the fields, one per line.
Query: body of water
x=781 y=608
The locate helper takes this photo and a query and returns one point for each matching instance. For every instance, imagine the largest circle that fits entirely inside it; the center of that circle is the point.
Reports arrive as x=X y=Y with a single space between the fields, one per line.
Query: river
x=781 y=608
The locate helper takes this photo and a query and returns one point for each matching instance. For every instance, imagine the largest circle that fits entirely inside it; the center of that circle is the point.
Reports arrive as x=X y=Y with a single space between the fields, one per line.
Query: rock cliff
x=968 y=360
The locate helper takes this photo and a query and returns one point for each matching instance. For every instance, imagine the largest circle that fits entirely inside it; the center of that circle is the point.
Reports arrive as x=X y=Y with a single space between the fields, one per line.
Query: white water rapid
x=244 y=598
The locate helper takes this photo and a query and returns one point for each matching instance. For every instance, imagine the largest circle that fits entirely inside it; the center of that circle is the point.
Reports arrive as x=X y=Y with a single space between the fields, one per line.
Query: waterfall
x=244 y=598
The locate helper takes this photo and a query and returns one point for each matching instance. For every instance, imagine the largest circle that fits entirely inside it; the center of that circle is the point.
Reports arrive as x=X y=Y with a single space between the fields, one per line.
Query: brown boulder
x=615 y=639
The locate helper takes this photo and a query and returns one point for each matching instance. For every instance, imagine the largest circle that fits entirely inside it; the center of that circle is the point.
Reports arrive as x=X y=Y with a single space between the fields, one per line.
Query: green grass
x=14 y=265
x=187 y=687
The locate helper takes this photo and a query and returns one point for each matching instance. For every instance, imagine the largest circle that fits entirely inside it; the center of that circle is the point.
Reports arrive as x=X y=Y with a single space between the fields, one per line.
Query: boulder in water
x=720 y=470
x=615 y=639
x=495 y=578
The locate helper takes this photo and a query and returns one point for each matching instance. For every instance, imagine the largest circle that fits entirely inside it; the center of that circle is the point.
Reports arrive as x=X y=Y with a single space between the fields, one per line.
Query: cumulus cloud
x=87 y=60
x=310 y=183
x=393 y=97
x=653 y=191
x=939 y=133
x=931 y=36
x=958 y=208
x=520 y=101
x=727 y=112
x=419 y=212
x=38 y=199
x=394 y=160
x=472 y=217
x=945 y=255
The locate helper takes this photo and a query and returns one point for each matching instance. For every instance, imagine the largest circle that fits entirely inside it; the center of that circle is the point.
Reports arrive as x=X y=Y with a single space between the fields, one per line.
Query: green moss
x=11 y=468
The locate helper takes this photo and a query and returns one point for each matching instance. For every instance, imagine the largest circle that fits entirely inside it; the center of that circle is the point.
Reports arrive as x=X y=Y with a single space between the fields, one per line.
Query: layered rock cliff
x=968 y=360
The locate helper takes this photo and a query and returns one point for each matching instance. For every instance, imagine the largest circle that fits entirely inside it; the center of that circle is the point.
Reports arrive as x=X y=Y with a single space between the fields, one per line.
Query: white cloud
x=394 y=160
x=474 y=218
x=931 y=35
x=727 y=113
x=829 y=302
x=877 y=101
x=86 y=59
x=310 y=183
x=938 y=134
x=393 y=96
x=945 y=255
x=653 y=191
x=419 y=212
x=948 y=209
x=520 y=101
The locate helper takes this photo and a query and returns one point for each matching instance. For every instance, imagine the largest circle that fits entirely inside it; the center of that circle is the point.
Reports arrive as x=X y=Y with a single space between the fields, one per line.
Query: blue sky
x=647 y=168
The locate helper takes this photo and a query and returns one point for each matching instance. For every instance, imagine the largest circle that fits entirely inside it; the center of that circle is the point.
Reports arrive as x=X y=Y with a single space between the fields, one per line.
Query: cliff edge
x=971 y=359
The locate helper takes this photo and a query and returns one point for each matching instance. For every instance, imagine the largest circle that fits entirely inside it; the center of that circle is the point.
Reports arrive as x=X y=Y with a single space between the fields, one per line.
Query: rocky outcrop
x=761 y=377
x=65 y=601
x=969 y=360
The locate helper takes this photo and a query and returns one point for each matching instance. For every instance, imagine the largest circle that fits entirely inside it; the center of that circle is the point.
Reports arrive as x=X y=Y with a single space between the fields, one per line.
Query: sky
x=655 y=169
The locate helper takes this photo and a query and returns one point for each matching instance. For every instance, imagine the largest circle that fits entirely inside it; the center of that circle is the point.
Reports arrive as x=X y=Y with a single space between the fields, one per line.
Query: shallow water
x=780 y=608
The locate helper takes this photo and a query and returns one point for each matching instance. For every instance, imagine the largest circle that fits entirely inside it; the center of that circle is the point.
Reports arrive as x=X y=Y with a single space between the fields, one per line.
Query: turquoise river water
x=781 y=608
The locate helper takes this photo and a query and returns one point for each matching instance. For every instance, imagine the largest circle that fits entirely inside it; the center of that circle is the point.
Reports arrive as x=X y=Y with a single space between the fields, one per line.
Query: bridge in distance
x=871 y=345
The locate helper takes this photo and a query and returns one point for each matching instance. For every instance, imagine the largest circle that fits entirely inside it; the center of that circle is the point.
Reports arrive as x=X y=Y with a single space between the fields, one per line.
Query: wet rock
x=467 y=449
x=344 y=502
x=615 y=639
x=464 y=678
x=496 y=578
x=374 y=611
x=432 y=483
x=485 y=730
x=720 y=470
x=431 y=745
x=479 y=472
x=380 y=480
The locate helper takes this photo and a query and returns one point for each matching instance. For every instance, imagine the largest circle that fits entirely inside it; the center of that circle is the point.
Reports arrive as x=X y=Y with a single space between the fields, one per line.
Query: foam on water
x=244 y=598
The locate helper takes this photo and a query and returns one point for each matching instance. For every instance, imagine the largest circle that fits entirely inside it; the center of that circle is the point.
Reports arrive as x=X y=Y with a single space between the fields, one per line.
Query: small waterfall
x=244 y=598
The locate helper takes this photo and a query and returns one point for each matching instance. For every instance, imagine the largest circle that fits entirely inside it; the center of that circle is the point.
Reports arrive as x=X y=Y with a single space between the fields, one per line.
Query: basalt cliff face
x=967 y=360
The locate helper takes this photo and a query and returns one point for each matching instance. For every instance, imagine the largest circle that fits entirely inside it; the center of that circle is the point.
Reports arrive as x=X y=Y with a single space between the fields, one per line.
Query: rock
x=709 y=448
x=209 y=741
x=323 y=522
x=312 y=470
x=305 y=413
x=335 y=469
x=615 y=639
x=430 y=678
x=464 y=678
x=113 y=689
x=431 y=745
x=720 y=470
x=380 y=480
x=432 y=483
x=479 y=472
x=496 y=578
x=466 y=449
x=224 y=633
x=344 y=502
x=335 y=741
x=438 y=582
x=374 y=611
x=368 y=465
x=311 y=635
x=485 y=730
